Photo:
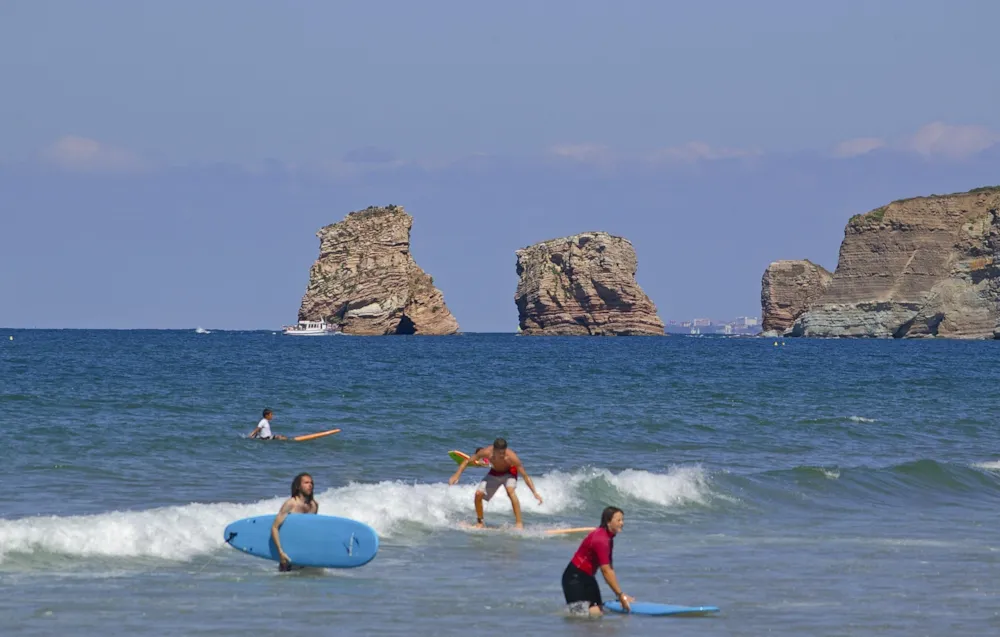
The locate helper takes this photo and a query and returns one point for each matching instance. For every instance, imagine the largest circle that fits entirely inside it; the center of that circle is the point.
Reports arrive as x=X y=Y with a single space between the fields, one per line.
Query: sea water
x=806 y=487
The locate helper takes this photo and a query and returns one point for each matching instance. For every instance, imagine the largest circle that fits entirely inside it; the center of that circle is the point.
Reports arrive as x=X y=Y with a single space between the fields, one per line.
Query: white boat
x=310 y=328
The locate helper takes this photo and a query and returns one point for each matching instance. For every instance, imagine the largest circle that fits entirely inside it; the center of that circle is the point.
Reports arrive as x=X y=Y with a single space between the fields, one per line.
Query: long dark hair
x=297 y=487
x=607 y=514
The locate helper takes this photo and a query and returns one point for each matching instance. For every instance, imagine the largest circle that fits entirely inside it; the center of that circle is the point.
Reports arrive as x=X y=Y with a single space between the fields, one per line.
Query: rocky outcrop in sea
x=787 y=289
x=583 y=285
x=366 y=281
x=926 y=266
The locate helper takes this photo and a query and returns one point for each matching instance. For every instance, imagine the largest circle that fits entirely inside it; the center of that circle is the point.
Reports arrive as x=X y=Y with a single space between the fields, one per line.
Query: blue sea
x=805 y=487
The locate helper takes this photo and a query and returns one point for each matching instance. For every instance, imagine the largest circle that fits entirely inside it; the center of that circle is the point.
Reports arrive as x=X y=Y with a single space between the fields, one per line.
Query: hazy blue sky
x=167 y=164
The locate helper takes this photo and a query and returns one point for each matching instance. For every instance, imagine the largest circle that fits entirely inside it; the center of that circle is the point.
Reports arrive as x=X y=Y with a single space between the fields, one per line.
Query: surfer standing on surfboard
x=579 y=584
x=505 y=466
x=263 y=429
x=300 y=502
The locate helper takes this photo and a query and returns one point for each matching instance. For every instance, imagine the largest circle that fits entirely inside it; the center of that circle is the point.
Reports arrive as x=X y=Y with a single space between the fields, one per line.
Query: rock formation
x=366 y=281
x=787 y=289
x=583 y=285
x=919 y=267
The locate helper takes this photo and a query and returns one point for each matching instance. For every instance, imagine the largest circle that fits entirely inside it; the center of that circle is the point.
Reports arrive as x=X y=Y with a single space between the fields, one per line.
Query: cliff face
x=787 y=289
x=583 y=285
x=366 y=280
x=919 y=267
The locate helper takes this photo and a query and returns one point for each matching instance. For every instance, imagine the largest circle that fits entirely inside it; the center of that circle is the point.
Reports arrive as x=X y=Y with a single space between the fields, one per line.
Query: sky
x=167 y=165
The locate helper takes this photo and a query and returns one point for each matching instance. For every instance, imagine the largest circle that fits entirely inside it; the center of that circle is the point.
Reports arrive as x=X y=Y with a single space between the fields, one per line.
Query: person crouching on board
x=505 y=466
x=579 y=581
x=263 y=429
x=300 y=502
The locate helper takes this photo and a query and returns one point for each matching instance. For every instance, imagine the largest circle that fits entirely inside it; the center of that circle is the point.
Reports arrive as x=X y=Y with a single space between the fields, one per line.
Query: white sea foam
x=185 y=532
x=679 y=486
x=860 y=419
x=992 y=465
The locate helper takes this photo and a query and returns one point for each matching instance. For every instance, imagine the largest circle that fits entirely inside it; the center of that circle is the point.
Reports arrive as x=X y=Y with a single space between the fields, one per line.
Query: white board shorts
x=492 y=482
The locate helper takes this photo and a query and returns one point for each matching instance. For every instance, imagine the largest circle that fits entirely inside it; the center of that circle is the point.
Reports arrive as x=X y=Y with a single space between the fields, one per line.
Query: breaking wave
x=183 y=533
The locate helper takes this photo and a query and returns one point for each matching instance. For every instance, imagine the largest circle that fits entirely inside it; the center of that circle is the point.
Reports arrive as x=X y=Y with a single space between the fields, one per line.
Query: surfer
x=263 y=429
x=300 y=502
x=505 y=466
x=579 y=584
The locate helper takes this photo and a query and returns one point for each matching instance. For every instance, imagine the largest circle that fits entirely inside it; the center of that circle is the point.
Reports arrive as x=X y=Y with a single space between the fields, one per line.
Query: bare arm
x=279 y=519
x=527 y=478
x=256 y=430
x=612 y=580
x=465 y=463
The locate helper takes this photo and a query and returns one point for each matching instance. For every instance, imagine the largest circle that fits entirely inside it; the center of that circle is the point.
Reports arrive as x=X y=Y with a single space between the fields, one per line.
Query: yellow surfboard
x=580 y=529
x=319 y=434
x=508 y=529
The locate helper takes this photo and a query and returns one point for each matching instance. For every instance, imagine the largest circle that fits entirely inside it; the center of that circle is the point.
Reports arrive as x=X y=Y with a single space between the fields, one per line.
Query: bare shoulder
x=288 y=506
x=512 y=457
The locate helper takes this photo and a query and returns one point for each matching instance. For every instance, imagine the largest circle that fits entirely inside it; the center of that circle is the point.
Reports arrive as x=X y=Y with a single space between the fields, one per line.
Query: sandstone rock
x=366 y=280
x=919 y=267
x=583 y=285
x=787 y=289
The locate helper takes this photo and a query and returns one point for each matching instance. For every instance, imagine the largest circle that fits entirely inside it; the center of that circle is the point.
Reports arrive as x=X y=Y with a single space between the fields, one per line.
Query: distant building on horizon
x=740 y=326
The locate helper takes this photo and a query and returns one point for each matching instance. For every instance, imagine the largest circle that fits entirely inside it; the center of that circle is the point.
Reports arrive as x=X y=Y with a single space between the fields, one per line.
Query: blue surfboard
x=648 y=608
x=323 y=541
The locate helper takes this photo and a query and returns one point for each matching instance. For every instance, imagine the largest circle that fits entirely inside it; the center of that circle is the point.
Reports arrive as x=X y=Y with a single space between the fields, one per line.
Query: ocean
x=805 y=487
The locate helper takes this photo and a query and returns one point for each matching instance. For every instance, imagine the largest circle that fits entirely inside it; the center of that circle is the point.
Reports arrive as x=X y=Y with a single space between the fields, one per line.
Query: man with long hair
x=301 y=502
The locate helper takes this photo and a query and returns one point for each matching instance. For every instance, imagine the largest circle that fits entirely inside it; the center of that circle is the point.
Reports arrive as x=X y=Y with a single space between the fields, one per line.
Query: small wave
x=182 y=533
x=683 y=485
x=804 y=472
x=174 y=533
x=925 y=479
x=835 y=420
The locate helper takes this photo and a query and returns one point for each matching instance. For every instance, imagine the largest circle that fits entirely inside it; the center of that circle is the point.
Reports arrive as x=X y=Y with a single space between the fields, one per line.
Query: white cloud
x=950 y=141
x=858 y=146
x=937 y=139
x=700 y=151
x=81 y=154
x=686 y=153
x=585 y=153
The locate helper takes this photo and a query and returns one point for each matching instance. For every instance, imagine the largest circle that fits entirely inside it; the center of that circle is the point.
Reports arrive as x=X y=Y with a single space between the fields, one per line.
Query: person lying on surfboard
x=504 y=469
x=263 y=429
x=579 y=584
x=300 y=502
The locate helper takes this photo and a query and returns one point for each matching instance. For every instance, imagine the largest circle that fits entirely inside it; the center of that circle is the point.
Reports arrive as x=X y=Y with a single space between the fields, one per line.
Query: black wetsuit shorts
x=580 y=587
